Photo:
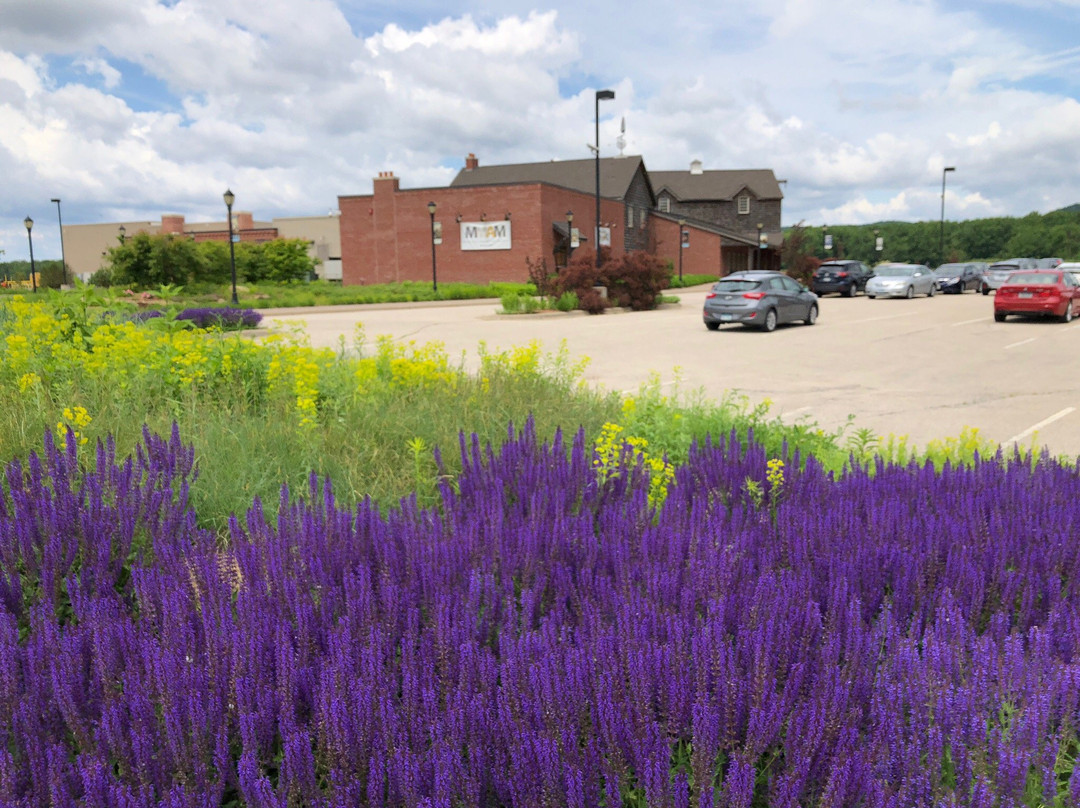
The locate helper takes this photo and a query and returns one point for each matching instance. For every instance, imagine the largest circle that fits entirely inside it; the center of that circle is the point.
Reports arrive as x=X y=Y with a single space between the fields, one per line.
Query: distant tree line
x=145 y=261
x=1035 y=235
x=50 y=273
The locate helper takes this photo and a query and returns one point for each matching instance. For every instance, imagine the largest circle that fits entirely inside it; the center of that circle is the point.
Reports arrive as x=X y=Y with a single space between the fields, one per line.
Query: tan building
x=86 y=246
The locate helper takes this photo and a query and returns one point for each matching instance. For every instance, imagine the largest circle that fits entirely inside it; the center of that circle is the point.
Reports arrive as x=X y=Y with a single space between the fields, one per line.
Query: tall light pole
x=601 y=95
x=434 y=279
x=33 y=271
x=63 y=258
x=682 y=245
x=941 y=235
x=569 y=235
x=757 y=263
x=229 y=198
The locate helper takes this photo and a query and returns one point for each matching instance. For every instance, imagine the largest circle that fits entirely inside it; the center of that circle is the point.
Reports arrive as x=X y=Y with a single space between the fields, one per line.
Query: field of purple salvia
x=899 y=639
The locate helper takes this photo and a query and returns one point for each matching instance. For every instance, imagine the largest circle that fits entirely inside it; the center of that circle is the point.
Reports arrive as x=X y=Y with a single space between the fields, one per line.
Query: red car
x=1038 y=292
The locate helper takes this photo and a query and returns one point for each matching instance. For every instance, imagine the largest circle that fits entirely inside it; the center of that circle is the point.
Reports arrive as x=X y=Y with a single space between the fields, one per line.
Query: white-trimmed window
x=665 y=205
x=629 y=216
x=643 y=217
x=744 y=204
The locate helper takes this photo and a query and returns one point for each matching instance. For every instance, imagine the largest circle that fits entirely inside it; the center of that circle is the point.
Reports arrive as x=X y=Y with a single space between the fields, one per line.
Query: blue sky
x=134 y=108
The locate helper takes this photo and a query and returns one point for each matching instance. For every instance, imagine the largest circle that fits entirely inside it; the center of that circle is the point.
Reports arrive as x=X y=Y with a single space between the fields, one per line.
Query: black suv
x=846 y=277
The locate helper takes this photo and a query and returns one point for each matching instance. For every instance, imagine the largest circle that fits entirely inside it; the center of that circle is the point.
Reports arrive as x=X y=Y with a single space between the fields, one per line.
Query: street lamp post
x=123 y=233
x=229 y=198
x=569 y=235
x=682 y=245
x=757 y=263
x=601 y=95
x=941 y=235
x=33 y=271
x=63 y=258
x=434 y=279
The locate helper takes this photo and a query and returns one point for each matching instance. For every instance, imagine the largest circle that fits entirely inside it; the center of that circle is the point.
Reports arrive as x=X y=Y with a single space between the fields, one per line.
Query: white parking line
x=1040 y=425
x=793 y=413
x=890 y=317
x=1021 y=342
x=969 y=322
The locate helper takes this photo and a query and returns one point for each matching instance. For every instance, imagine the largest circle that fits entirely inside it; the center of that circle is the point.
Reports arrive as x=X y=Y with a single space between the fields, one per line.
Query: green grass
x=375 y=421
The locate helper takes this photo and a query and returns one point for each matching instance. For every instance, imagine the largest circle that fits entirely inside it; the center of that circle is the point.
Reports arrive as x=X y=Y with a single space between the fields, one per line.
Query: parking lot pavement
x=925 y=368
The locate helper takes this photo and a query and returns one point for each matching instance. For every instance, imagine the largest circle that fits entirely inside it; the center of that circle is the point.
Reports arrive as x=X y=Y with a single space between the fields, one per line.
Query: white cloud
x=857 y=105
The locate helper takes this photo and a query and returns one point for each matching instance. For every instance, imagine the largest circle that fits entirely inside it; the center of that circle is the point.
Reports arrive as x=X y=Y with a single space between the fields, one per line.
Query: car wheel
x=852 y=290
x=910 y=293
x=811 y=315
x=999 y=316
x=1068 y=315
x=871 y=296
x=712 y=326
x=770 y=320
x=986 y=290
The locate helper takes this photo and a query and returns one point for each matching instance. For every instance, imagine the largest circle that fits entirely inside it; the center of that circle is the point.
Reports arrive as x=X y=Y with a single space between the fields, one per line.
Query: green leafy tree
x=287 y=260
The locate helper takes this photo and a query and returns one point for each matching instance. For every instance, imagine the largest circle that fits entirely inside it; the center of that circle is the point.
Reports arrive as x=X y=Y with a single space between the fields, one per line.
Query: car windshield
x=948 y=270
x=736 y=285
x=894 y=271
x=832 y=268
x=1033 y=277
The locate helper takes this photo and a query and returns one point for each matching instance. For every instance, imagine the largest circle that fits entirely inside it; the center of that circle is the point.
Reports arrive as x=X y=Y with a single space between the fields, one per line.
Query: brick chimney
x=471 y=162
x=244 y=221
x=172 y=224
x=387 y=181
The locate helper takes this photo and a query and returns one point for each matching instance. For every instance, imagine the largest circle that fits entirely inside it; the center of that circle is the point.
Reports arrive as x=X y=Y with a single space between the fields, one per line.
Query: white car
x=901 y=280
x=1074 y=268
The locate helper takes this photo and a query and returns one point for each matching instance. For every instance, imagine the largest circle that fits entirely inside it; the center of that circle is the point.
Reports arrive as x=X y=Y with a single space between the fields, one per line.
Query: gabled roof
x=726 y=234
x=616 y=175
x=716 y=185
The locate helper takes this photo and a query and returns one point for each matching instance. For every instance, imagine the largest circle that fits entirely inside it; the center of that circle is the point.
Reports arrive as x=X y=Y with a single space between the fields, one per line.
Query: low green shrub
x=567 y=301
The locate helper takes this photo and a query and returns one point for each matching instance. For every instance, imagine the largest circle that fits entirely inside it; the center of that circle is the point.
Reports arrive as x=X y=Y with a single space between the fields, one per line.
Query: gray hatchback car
x=762 y=299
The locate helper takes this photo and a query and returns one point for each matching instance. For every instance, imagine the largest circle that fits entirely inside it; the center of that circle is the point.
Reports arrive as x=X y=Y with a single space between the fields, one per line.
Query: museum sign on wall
x=485 y=235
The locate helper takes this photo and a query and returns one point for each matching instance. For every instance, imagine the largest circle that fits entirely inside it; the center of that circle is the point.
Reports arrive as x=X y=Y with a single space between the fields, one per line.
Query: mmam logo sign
x=485 y=235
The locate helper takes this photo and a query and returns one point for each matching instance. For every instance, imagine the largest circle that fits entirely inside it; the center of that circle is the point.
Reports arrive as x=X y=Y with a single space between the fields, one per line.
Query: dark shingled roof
x=716 y=185
x=616 y=174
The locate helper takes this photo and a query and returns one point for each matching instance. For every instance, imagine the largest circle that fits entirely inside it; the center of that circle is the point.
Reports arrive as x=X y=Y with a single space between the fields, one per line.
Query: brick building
x=744 y=205
x=490 y=220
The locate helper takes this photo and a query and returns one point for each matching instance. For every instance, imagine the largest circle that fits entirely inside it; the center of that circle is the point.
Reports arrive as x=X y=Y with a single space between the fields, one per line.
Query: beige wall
x=324 y=233
x=85 y=245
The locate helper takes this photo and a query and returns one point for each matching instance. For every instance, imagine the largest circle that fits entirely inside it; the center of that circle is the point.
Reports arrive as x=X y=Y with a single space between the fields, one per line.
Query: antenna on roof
x=620 y=141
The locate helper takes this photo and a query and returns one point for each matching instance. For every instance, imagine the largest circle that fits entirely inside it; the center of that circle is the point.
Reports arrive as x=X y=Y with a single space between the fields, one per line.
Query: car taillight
x=841 y=274
x=1047 y=293
x=754 y=295
x=710 y=295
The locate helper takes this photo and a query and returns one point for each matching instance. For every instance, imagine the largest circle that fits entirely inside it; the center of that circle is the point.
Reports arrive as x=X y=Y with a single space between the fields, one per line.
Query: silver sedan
x=901 y=280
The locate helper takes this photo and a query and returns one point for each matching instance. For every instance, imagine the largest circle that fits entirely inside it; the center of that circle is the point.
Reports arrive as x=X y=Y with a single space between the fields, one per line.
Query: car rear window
x=1034 y=277
x=895 y=271
x=736 y=285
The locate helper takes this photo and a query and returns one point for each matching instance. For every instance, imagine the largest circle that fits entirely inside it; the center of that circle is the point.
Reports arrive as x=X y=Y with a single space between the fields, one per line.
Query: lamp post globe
x=29 y=224
x=601 y=95
x=229 y=198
